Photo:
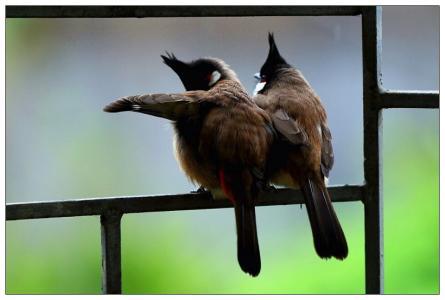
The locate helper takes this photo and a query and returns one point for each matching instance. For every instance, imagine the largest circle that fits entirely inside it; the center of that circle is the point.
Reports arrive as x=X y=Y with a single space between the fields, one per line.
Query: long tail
x=248 y=250
x=247 y=239
x=329 y=239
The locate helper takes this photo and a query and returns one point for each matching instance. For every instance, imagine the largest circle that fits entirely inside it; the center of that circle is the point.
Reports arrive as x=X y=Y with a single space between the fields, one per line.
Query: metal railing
x=375 y=98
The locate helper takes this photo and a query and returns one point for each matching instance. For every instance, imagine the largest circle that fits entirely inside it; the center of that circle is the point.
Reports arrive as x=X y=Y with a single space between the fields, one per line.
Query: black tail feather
x=329 y=239
x=239 y=185
x=248 y=249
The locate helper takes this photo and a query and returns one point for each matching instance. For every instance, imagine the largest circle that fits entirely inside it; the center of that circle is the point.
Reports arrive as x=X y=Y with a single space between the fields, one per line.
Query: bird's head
x=273 y=63
x=200 y=74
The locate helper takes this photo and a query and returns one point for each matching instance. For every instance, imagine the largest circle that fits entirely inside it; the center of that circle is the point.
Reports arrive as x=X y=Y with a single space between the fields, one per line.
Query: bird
x=302 y=155
x=222 y=142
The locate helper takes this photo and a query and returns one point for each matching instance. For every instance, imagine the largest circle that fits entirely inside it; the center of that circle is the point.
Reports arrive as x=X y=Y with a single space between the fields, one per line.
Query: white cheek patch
x=319 y=130
x=214 y=78
x=259 y=86
x=326 y=181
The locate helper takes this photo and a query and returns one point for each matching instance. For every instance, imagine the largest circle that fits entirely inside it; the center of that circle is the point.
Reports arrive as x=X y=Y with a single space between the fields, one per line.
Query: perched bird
x=222 y=141
x=303 y=156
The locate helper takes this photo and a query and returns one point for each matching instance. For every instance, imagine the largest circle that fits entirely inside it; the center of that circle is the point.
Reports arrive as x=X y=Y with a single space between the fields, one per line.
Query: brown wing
x=327 y=153
x=289 y=128
x=168 y=106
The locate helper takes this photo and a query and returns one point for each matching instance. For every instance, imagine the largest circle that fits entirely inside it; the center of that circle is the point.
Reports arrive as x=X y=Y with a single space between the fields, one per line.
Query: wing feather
x=168 y=106
x=327 y=152
x=289 y=128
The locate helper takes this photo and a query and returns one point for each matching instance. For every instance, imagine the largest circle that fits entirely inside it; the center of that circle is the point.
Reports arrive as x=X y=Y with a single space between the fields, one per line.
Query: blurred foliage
x=172 y=253
x=411 y=195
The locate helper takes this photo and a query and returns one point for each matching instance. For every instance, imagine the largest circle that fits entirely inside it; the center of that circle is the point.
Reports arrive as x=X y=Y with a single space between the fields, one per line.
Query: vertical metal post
x=111 y=252
x=371 y=47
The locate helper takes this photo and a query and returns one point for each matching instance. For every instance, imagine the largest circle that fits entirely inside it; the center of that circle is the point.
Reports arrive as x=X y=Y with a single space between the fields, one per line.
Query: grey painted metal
x=409 y=99
x=111 y=252
x=175 y=11
x=372 y=48
x=138 y=204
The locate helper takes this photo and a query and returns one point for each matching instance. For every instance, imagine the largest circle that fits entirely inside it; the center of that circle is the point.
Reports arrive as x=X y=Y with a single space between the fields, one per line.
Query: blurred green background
x=60 y=145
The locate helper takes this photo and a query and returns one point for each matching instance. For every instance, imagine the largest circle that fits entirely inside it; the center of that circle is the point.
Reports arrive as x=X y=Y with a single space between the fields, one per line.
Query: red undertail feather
x=225 y=188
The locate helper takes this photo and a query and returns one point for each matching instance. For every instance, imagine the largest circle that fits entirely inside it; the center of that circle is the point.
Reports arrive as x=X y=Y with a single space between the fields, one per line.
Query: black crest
x=174 y=63
x=194 y=75
x=274 y=59
x=181 y=68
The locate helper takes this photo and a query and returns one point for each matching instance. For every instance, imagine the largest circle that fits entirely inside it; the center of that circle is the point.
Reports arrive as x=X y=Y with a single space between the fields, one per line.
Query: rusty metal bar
x=409 y=99
x=139 y=204
x=372 y=48
x=175 y=11
x=111 y=252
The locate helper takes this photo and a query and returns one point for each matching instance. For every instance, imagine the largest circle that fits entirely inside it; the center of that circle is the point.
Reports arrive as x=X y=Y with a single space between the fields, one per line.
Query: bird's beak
x=257 y=76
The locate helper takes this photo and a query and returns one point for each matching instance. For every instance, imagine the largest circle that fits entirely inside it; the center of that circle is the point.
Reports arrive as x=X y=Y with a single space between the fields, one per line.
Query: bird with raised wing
x=222 y=141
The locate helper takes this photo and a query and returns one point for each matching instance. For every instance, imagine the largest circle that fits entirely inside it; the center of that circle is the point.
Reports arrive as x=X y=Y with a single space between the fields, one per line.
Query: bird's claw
x=201 y=189
x=270 y=188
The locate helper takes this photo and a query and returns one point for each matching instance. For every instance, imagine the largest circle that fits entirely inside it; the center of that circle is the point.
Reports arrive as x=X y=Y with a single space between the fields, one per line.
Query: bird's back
x=237 y=130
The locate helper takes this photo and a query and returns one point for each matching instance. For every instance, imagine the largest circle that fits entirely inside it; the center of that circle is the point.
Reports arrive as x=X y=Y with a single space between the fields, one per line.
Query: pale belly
x=198 y=174
x=284 y=179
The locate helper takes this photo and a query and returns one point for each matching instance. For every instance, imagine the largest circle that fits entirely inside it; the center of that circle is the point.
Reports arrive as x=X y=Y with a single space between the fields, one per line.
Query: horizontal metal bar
x=175 y=11
x=139 y=204
x=409 y=99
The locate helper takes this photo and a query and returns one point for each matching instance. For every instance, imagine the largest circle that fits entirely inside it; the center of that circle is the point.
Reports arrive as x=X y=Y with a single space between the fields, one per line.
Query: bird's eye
x=263 y=78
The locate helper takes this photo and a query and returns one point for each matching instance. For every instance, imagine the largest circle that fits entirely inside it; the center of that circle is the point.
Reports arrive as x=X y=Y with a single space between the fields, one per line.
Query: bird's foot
x=269 y=188
x=200 y=190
